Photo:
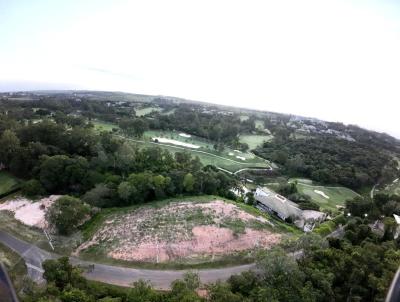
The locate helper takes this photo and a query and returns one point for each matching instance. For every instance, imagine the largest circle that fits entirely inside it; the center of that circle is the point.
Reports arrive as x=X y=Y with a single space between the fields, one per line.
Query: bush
x=32 y=188
x=66 y=214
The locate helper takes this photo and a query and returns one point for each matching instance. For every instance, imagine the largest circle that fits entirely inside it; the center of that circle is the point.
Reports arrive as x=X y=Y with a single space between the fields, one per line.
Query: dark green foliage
x=32 y=188
x=66 y=214
x=329 y=160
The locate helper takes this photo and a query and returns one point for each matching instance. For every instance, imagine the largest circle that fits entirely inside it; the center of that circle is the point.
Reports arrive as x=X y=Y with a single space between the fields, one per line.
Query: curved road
x=160 y=279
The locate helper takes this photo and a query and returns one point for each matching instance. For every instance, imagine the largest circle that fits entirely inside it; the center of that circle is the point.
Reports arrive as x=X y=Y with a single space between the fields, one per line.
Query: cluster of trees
x=216 y=126
x=329 y=160
x=59 y=158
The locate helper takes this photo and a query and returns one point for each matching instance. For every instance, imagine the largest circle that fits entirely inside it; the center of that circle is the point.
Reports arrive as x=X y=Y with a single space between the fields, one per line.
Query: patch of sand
x=241 y=157
x=174 y=142
x=30 y=212
x=185 y=135
x=180 y=230
x=322 y=194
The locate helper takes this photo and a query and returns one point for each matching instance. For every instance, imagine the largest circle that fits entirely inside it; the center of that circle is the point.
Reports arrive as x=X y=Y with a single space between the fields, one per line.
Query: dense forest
x=51 y=144
x=331 y=160
x=57 y=158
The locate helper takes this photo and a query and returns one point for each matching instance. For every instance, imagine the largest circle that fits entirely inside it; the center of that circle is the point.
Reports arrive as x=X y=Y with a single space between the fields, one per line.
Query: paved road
x=160 y=279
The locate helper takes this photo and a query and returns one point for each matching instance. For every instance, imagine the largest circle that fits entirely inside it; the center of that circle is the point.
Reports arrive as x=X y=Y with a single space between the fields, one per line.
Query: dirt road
x=160 y=279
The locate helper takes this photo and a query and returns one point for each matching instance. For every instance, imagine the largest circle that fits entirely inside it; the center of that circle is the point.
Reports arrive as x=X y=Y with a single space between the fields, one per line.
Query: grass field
x=104 y=126
x=243 y=117
x=254 y=140
x=226 y=159
x=146 y=110
x=337 y=195
x=7 y=182
x=259 y=124
x=393 y=188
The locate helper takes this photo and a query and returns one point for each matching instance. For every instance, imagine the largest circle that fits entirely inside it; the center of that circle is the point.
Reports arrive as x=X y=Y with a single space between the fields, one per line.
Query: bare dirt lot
x=29 y=212
x=184 y=230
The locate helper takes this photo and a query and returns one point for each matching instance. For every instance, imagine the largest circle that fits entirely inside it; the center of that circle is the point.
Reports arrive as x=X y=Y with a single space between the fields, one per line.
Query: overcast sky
x=335 y=60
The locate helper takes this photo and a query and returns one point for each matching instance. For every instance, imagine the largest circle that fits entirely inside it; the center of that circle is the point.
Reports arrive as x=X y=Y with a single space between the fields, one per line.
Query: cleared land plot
x=28 y=212
x=146 y=110
x=7 y=182
x=254 y=140
x=190 y=231
x=328 y=198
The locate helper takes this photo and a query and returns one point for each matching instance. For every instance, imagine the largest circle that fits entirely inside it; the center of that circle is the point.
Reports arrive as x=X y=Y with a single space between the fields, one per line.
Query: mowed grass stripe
x=337 y=195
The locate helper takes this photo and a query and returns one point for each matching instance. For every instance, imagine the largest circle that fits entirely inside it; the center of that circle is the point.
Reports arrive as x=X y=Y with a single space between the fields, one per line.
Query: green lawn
x=7 y=182
x=337 y=195
x=104 y=126
x=243 y=117
x=227 y=159
x=393 y=188
x=146 y=110
x=254 y=140
x=259 y=124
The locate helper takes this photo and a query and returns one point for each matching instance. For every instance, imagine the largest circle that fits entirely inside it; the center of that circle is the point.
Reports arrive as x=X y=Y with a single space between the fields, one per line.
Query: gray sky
x=335 y=60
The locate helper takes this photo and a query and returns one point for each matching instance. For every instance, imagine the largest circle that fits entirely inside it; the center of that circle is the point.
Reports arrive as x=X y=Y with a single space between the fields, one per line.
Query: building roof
x=277 y=203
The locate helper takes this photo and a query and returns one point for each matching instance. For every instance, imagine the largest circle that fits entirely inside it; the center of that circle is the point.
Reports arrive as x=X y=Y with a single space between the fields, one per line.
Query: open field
x=393 y=188
x=243 y=117
x=254 y=140
x=7 y=182
x=228 y=159
x=104 y=126
x=146 y=110
x=328 y=198
x=259 y=124
x=189 y=231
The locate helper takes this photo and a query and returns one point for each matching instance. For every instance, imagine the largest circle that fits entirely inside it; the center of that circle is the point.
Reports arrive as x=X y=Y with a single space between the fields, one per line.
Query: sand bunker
x=174 y=142
x=322 y=194
x=241 y=157
x=182 y=230
x=29 y=212
x=185 y=135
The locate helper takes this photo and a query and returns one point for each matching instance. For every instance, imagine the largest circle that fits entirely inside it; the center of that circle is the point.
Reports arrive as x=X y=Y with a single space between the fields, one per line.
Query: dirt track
x=160 y=279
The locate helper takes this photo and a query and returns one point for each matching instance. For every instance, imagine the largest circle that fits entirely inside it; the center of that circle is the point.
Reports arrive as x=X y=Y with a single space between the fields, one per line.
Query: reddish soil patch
x=182 y=230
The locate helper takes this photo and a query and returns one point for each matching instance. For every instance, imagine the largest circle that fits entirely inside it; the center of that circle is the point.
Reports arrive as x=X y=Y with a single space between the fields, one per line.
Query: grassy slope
x=146 y=110
x=104 y=126
x=393 y=188
x=15 y=266
x=337 y=195
x=254 y=140
x=7 y=182
x=206 y=152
